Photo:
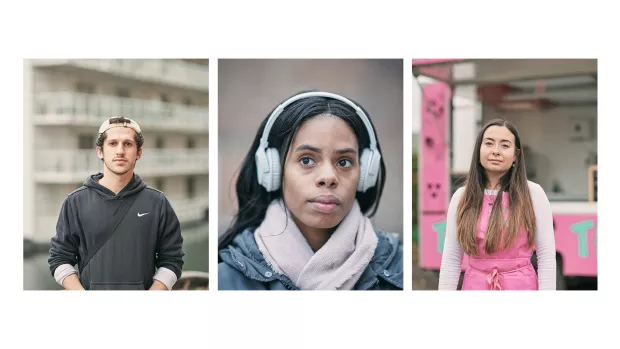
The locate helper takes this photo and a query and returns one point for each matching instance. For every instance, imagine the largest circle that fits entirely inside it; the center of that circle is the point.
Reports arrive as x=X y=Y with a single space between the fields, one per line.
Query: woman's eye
x=306 y=161
x=505 y=146
x=344 y=163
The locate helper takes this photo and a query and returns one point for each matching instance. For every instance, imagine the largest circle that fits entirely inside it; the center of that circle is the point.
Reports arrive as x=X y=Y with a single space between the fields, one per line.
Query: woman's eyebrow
x=308 y=147
x=501 y=140
x=345 y=151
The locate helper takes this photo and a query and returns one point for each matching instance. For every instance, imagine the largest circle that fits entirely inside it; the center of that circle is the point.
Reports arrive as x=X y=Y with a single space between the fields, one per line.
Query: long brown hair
x=513 y=183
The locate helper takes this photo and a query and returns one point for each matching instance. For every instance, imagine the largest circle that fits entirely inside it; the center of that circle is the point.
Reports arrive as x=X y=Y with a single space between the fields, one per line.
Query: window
x=82 y=103
x=122 y=92
x=86 y=141
x=83 y=87
x=166 y=109
x=159 y=183
x=191 y=143
x=125 y=108
x=191 y=187
x=159 y=142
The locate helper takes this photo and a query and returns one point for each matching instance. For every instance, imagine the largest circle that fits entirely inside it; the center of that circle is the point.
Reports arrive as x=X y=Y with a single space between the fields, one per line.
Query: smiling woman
x=311 y=178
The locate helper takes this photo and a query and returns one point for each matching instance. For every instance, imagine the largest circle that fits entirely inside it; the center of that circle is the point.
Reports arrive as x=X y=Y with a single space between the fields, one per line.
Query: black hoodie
x=149 y=236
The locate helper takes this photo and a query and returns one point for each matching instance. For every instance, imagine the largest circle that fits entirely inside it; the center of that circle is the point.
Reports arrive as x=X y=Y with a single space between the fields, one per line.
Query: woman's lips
x=325 y=203
x=324 y=207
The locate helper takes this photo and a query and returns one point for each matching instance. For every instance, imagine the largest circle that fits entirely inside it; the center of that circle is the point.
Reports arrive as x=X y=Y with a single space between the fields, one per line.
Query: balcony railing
x=61 y=108
x=187 y=210
x=191 y=210
x=70 y=166
x=169 y=72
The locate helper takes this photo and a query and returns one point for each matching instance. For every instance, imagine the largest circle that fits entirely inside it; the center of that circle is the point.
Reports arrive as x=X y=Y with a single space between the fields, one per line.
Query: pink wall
x=433 y=173
x=576 y=241
x=424 y=61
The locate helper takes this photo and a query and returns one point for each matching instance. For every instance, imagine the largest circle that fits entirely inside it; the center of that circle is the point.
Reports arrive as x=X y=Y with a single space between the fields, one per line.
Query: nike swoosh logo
x=140 y=215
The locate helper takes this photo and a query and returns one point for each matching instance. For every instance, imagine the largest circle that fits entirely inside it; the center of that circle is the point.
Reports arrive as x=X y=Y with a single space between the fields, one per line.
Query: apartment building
x=66 y=100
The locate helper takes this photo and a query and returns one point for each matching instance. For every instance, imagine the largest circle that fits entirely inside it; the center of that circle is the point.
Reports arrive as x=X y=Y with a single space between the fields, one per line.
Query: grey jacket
x=243 y=267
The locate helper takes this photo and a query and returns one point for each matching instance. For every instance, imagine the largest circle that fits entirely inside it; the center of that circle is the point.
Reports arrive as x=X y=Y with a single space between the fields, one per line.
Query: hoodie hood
x=134 y=186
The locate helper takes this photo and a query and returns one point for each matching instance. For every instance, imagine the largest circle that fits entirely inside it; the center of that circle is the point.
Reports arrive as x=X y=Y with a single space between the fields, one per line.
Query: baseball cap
x=131 y=124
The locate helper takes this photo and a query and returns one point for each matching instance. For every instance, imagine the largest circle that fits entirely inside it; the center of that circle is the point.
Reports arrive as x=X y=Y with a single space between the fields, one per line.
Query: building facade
x=65 y=102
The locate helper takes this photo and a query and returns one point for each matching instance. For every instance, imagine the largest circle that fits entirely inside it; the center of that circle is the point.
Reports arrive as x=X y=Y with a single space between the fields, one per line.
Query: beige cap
x=131 y=124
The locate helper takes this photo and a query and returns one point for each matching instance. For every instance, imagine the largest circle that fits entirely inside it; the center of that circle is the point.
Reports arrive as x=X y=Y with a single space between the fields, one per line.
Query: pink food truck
x=552 y=102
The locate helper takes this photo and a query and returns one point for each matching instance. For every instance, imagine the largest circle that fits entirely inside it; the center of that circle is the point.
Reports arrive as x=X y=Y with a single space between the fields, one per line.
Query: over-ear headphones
x=268 y=159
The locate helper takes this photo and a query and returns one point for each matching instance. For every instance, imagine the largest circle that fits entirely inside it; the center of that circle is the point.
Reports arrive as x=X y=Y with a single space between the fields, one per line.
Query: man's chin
x=120 y=170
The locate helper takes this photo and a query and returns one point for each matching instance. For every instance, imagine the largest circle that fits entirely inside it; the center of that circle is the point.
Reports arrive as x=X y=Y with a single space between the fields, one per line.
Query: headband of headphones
x=276 y=113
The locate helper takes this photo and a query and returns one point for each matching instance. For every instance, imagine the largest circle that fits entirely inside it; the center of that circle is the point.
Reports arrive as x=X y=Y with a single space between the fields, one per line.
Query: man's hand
x=72 y=283
x=158 y=286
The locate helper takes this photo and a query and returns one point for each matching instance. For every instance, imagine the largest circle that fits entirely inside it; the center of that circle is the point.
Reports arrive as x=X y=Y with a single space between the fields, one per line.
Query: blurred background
x=249 y=89
x=553 y=105
x=65 y=102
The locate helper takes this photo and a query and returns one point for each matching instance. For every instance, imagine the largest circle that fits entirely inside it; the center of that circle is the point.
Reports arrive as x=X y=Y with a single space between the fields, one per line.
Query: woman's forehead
x=498 y=133
x=325 y=130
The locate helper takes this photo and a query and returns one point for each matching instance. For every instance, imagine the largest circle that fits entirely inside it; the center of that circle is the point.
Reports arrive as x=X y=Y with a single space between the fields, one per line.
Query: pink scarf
x=337 y=265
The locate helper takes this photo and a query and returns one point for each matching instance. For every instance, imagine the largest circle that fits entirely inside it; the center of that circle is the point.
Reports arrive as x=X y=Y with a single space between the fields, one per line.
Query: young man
x=122 y=234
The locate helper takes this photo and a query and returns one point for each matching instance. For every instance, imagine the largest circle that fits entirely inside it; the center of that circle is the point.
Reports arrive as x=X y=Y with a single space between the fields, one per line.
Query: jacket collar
x=244 y=255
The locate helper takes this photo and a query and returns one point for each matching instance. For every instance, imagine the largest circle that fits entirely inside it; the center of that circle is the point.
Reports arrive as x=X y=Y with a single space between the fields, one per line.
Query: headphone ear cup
x=262 y=166
x=273 y=179
x=361 y=185
x=369 y=169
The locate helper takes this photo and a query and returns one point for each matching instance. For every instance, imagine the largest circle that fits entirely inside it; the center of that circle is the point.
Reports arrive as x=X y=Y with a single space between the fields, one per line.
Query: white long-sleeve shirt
x=452 y=255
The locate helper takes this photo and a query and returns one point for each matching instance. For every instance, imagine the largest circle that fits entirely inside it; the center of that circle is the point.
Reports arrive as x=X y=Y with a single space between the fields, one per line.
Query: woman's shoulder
x=536 y=190
x=457 y=195
x=229 y=278
x=389 y=248
x=387 y=262
x=538 y=195
x=534 y=186
x=388 y=236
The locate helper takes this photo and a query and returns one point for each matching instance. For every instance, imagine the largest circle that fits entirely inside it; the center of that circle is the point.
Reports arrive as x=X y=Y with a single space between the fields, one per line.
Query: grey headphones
x=268 y=159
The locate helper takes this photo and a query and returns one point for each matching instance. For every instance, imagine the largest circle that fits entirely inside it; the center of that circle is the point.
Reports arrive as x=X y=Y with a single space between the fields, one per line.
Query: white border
x=214 y=172
x=269 y=29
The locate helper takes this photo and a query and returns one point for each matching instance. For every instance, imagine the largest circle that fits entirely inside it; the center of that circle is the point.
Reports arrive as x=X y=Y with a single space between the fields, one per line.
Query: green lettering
x=581 y=229
x=596 y=239
x=440 y=229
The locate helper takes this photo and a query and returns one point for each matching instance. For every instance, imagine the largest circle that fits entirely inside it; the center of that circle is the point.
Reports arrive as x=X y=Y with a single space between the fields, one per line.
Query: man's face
x=120 y=151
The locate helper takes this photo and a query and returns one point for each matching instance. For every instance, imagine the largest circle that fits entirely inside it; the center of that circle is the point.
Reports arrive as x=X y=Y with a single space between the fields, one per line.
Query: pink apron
x=509 y=269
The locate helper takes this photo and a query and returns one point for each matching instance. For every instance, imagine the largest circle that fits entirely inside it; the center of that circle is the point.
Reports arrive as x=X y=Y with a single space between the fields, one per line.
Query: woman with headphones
x=312 y=177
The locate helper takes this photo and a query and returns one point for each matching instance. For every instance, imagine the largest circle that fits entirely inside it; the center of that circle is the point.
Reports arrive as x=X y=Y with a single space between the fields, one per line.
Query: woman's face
x=497 y=151
x=321 y=172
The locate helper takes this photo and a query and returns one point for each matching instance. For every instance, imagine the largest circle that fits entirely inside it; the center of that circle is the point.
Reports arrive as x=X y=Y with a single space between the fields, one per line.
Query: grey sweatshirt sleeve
x=169 y=241
x=64 y=249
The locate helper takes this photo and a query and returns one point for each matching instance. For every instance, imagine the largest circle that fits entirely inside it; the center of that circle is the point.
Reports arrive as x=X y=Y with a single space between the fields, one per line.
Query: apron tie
x=493 y=280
